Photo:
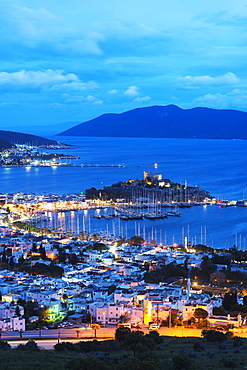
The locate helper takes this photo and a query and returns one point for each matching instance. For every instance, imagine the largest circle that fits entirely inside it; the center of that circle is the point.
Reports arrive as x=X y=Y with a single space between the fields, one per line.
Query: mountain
x=18 y=138
x=166 y=121
x=4 y=144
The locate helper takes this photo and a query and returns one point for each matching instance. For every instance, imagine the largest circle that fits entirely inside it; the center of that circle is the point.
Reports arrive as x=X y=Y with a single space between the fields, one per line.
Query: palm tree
x=95 y=327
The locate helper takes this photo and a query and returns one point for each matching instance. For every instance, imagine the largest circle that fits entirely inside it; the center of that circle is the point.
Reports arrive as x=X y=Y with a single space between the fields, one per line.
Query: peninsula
x=9 y=139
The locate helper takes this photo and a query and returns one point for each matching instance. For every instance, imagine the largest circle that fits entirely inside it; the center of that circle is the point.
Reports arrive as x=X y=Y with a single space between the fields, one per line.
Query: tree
x=42 y=252
x=136 y=341
x=98 y=246
x=207 y=264
x=124 y=318
x=155 y=336
x=121 y=333
x=219 y=311
x=136 y=240
x=34 y=248
x=214 y=336
x=229 y=300
x=217 y=277
x=200 y=314
x=73 y=259
x=95 y=327
x=30 y=308
x=17 y=311
x=238 y=308
x=111 y=289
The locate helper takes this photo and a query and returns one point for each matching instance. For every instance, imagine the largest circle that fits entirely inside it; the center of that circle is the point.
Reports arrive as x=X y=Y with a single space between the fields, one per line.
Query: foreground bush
x=214 y=336
x=182 y=361
x=31 y=345
x=4 y=345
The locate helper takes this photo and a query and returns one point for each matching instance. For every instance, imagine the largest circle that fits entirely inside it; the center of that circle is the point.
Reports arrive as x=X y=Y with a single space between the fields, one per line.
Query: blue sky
x=72 y=60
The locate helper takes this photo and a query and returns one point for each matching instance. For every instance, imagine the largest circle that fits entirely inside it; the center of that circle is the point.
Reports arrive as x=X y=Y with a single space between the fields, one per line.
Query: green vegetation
x=108 y=193
x=164 y=272
x=31 y=227
x=43 y=269
x=136 y=240
x=97 y=247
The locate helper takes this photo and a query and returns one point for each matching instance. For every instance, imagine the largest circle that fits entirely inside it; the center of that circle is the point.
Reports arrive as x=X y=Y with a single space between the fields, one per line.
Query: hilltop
x=166 y=121
x=9 y=138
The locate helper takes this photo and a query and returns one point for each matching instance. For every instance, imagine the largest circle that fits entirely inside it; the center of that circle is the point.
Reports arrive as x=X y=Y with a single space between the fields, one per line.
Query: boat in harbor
x=173 y=212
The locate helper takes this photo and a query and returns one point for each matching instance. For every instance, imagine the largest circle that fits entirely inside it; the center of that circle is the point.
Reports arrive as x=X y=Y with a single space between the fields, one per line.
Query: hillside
x=18 y=138
x=166 y=121
x=4 y=144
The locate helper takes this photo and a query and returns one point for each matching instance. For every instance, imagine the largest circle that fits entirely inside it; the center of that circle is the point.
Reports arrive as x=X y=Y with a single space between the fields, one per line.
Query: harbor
x=166 y=224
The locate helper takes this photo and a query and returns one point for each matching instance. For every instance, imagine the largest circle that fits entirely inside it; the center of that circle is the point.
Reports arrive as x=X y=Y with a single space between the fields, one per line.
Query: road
x=85 y=333
x=48 y=338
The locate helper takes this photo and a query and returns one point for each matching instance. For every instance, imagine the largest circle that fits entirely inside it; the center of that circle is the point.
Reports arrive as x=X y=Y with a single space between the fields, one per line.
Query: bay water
x=218 y=166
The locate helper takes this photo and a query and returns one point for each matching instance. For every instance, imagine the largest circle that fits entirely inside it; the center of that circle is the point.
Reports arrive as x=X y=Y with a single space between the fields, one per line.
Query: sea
x=218 y=166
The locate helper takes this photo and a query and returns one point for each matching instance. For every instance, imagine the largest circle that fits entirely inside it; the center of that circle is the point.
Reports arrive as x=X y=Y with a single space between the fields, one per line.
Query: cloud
x=89 y=99
x=74 y=86
x=33 y=79
x=113 y=91
x=132 y=91
x=87 y=44
x=48 y=80
x=25 y=30
x=142 y=99
x=197 y=82
x=234 y=99
x=56 y=105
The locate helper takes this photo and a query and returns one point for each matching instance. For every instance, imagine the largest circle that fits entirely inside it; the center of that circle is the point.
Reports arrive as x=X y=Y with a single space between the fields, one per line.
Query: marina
x=189 y=224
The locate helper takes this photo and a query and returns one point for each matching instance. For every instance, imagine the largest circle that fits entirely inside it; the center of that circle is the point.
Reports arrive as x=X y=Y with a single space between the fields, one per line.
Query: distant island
x=8 y=139
x=167 y=121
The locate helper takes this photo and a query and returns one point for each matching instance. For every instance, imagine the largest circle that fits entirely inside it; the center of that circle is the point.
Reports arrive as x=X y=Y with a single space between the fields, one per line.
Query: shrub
x=64 y=347
x=230 y=364
x=198 y=346
x=134 y=363
x=86 y=363
x=237 y=342
x=213 y=336
x=121 y=333
x=31 y=345
x=155 y=336
x=4 y=345
x=182 y=361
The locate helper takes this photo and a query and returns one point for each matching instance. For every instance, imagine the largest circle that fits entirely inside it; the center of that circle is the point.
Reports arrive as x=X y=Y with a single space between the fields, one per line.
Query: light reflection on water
x=196 y=223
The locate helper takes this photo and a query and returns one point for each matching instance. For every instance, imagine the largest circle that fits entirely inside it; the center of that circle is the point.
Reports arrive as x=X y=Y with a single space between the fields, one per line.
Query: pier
x=56 y=164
